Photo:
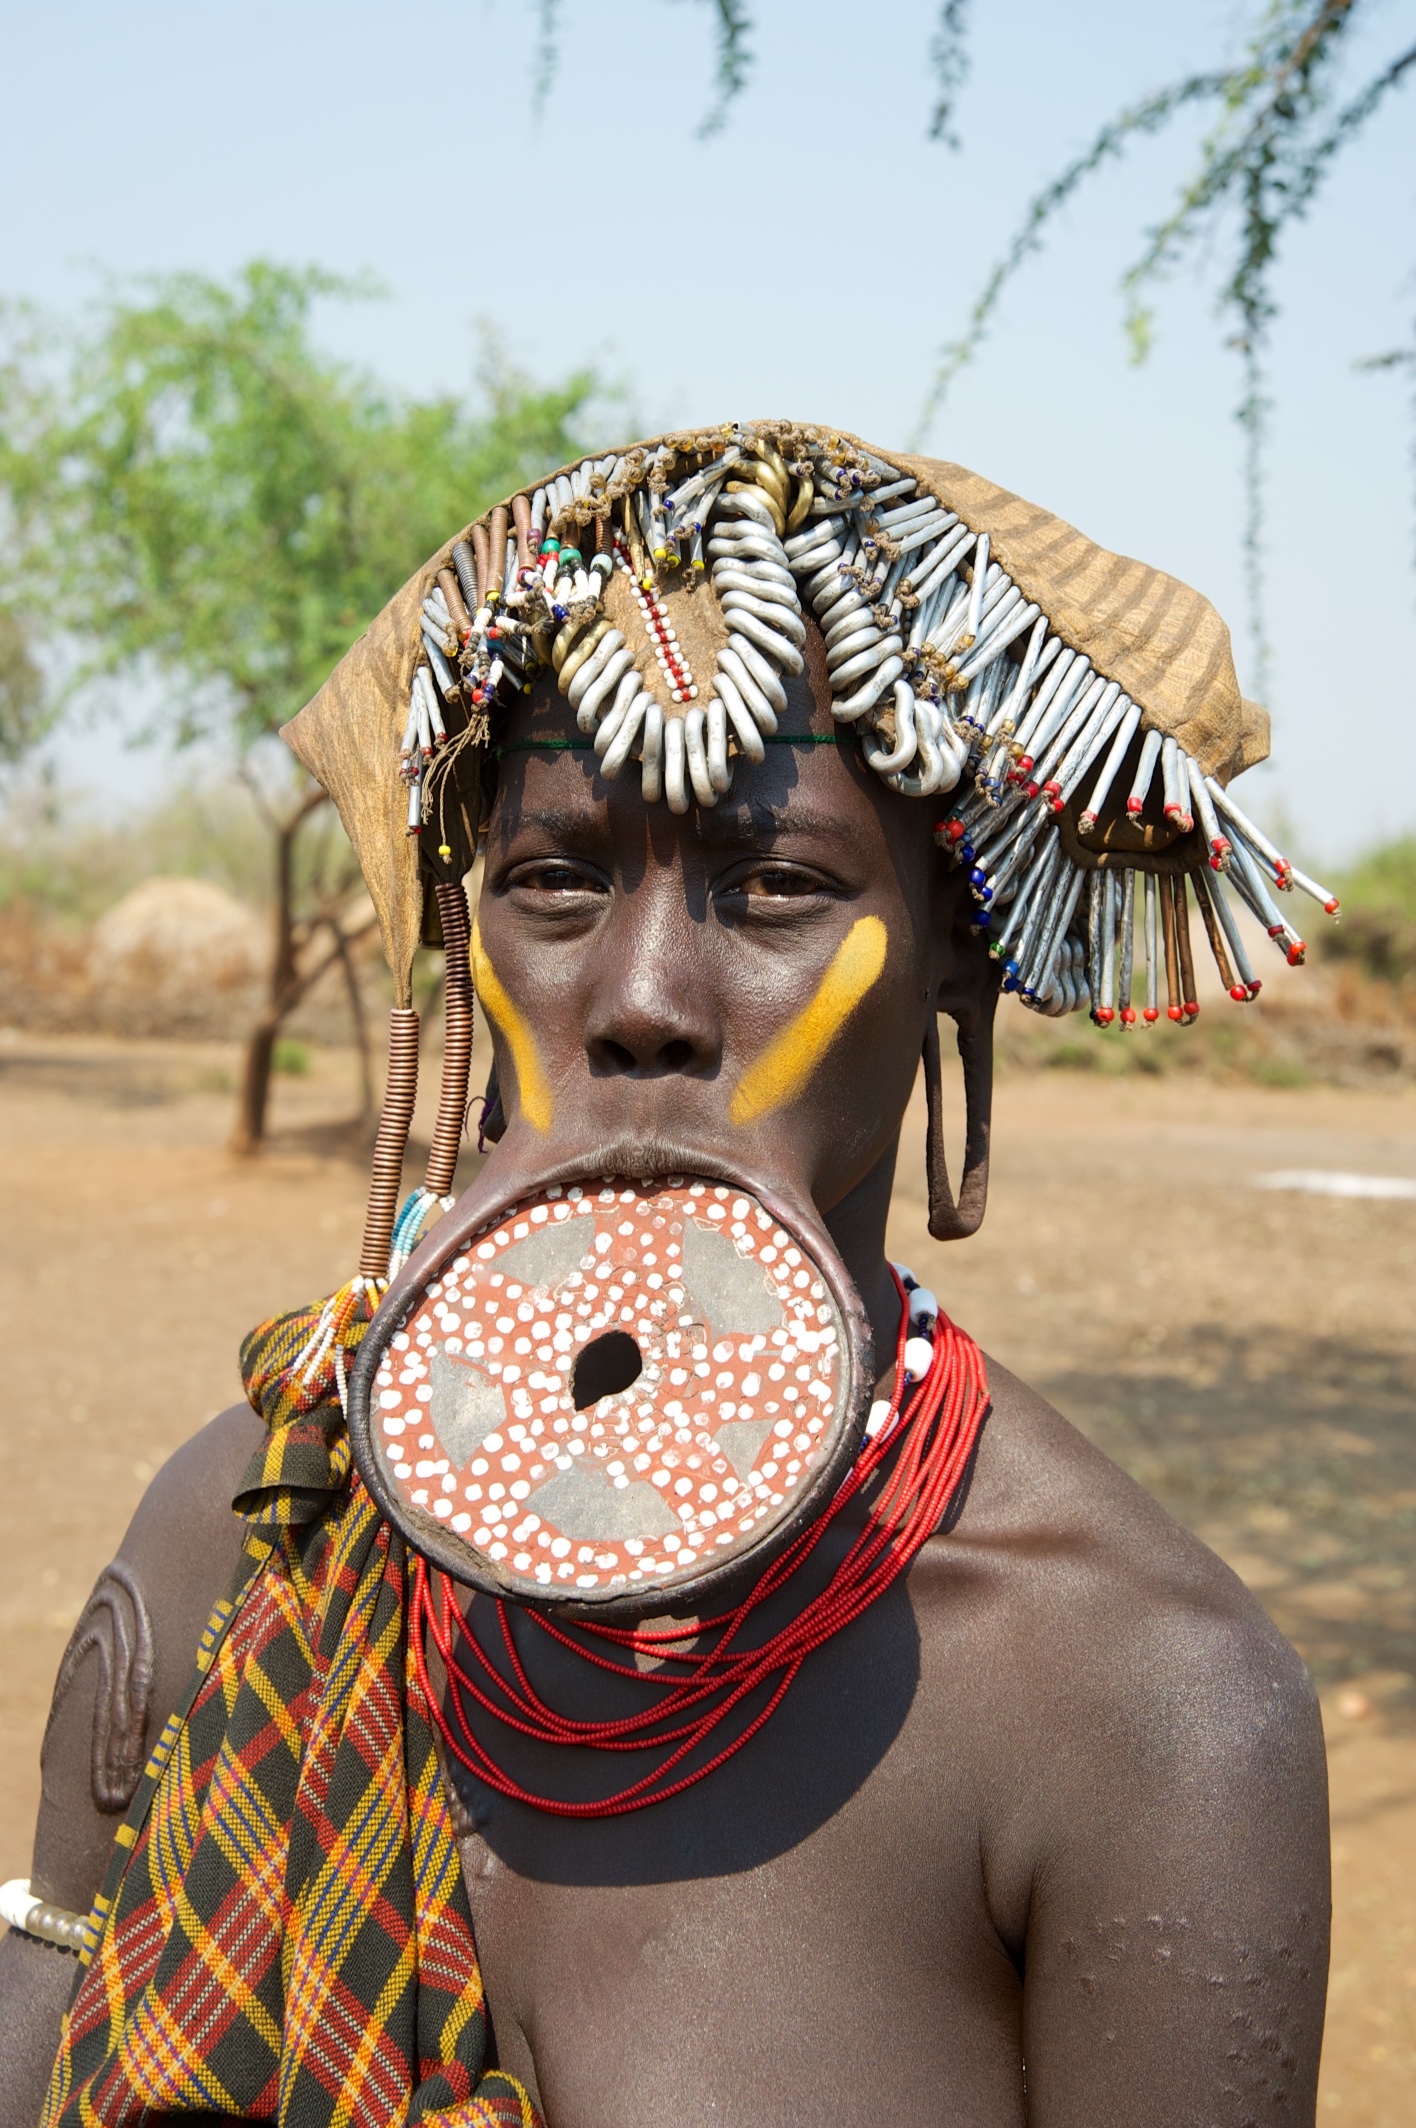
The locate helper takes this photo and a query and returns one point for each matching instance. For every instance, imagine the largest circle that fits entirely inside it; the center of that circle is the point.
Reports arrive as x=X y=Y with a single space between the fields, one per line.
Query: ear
x=491 y=1128
x=967 y=990
x=966 y=978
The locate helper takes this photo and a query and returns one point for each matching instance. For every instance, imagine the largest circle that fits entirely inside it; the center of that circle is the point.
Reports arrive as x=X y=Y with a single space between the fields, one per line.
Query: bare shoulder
x=1064 y=1526
x=1107 y=1627
x=1140 y=1757
x=131 y=1655
x=127 y=1666
x=183 y=1523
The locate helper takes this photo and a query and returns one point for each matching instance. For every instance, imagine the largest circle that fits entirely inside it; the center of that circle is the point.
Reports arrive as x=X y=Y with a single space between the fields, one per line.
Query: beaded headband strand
x=950 y=676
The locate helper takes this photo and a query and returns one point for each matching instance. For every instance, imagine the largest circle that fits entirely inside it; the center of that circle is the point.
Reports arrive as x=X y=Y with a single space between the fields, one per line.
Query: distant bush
x=1378 y=928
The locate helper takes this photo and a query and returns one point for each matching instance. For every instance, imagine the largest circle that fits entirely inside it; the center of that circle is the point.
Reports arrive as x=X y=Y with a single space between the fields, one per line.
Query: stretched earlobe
x=491 y=1126
x=952 y=1219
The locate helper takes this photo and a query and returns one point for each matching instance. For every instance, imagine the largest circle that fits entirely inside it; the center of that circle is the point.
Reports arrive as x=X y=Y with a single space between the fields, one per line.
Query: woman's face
x=750 y=982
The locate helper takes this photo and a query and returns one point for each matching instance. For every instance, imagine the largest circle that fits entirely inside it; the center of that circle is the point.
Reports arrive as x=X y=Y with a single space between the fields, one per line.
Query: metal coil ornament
x=400 y=1093
x=458 y=1027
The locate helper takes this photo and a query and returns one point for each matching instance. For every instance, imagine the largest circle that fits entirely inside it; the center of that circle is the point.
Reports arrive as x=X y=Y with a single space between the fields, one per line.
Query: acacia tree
x=195 y=492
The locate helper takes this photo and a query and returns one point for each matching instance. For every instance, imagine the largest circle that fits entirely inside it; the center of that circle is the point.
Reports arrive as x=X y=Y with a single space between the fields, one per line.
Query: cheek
x=515 y=1028
x=543 y=977
x=794 y=1055
x=870 y=1068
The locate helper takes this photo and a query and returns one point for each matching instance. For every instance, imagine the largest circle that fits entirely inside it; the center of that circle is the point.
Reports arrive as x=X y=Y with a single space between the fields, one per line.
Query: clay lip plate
x=610 y=1388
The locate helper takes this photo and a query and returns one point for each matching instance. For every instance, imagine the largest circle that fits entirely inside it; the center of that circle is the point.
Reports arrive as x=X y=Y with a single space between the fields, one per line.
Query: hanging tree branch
x=1265 y=162
x=1401 y=358
x=731 y=67
x=547 y=53
x=949 y=63
x=734 y=62
x=1110 y=142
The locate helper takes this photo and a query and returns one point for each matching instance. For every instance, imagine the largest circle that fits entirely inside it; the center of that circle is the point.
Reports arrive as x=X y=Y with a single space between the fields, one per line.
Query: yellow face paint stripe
x=792 y=1056
x=533 y=1092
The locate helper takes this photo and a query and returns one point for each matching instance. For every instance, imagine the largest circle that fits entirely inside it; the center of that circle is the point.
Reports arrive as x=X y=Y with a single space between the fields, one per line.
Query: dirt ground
x=1249 y=1356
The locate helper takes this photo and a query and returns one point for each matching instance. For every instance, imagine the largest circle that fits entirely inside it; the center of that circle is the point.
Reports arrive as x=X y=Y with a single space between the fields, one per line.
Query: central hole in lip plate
x=607 y=1365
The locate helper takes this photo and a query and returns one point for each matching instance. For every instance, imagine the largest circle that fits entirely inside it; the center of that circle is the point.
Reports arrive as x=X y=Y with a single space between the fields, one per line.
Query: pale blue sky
x=807 y=262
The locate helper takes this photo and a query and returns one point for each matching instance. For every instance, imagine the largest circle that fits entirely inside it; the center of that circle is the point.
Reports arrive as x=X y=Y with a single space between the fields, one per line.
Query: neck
x=857 y=1226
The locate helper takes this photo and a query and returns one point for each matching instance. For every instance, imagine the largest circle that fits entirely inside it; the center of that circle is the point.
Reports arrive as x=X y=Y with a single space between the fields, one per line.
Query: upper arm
x=126 y=1668
x=130 y=1657
x=1176 y=1950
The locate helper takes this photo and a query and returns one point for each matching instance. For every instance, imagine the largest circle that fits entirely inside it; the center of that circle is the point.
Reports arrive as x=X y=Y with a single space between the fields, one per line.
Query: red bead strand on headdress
x=931 y=1443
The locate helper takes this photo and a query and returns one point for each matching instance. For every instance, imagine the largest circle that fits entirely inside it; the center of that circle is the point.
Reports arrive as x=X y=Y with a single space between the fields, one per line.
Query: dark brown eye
x=780 y=882
x=552 y=878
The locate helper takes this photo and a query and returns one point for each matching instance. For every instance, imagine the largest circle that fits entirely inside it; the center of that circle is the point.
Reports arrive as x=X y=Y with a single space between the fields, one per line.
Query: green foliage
x=949 y=63
x=291 y=1058
x=1281 y=1072
x=1384 y=880
x=1378 y=927
x=194 y=489
x=23 y=708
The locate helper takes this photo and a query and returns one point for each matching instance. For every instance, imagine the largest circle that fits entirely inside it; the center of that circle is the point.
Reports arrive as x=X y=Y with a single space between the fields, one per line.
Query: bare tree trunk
x=430 y=1010
x=255 y=1083
x=286 y=987
x=360 y=1021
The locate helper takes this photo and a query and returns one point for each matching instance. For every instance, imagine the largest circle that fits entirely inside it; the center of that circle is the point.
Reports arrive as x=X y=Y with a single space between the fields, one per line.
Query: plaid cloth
x=283 y=1934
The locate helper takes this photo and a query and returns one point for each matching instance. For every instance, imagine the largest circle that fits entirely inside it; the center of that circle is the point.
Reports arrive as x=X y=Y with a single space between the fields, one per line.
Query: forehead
x=812 y=792
x=815 y=801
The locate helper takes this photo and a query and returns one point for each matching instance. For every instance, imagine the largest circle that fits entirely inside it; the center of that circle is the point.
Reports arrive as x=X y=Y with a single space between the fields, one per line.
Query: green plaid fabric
x=283 y=1934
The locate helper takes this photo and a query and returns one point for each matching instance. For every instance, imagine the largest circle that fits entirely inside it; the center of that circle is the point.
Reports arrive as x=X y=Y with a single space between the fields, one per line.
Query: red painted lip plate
x=478 y=1427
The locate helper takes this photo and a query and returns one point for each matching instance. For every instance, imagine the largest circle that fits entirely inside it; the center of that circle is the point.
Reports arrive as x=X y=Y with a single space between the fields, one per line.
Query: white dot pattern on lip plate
x=473 y=1408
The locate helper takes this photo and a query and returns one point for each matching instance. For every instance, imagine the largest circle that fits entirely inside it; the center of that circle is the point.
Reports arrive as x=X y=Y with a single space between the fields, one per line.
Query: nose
x=652 y=1012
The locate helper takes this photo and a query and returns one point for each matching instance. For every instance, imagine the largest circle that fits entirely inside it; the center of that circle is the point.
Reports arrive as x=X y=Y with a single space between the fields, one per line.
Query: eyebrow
x=561 y=823
x=750 y=824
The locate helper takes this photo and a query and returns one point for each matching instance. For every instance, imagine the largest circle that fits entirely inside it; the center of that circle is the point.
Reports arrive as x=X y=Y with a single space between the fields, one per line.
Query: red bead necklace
x=934 y=1438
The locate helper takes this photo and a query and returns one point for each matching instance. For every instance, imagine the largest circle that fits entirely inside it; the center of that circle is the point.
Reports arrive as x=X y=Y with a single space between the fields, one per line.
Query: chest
x=802 y=1936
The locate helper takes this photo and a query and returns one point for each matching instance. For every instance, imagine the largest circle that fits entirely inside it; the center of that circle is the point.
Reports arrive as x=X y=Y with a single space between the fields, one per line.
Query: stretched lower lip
x=606 y=1387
